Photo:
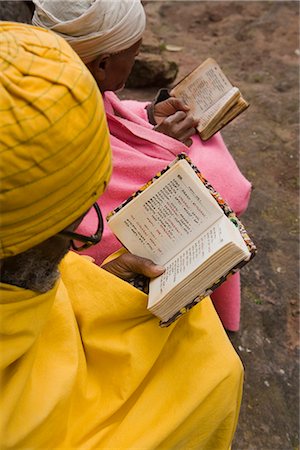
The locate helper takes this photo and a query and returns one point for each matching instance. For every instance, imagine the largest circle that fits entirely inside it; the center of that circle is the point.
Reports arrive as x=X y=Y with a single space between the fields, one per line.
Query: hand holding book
x=180 y=222
x=127 y=266
x=211 y=99
x=173 y=119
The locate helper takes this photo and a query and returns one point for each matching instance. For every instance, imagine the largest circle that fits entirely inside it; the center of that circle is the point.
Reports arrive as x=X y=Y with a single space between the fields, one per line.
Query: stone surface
x=16 y=11
x=152 y=70
x=153 y=66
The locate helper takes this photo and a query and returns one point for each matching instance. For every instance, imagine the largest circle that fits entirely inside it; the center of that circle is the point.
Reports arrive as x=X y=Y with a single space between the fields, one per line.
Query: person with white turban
x=83 y=363
x=107 y=36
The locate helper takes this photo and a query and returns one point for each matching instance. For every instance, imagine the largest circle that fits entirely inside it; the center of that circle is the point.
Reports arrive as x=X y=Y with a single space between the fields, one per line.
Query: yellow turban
x=55 y=156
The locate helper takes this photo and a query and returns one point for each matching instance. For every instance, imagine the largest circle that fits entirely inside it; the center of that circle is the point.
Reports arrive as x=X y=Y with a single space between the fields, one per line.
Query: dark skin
x=55 y=248
x=125 y=266
x=111 y=72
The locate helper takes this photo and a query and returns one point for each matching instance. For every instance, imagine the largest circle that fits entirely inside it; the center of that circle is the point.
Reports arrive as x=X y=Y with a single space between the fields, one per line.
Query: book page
x=205 y=86
x=231 y=113
x=191 y=257
x=188 y=260
x=218 y=109
x=167 y=215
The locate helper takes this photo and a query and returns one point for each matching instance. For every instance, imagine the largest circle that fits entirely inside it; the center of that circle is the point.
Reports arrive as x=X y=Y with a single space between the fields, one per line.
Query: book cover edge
x=226 y=210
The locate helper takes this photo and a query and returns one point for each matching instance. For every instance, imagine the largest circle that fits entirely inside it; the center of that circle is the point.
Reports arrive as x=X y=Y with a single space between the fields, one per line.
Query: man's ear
x=98 y=67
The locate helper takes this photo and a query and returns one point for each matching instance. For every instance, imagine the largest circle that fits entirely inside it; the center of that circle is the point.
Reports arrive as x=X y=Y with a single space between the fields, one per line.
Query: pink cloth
x=139 y=153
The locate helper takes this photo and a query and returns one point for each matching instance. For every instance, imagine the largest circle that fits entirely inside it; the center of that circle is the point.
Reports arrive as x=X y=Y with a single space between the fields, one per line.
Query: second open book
x=212 y=99
x=179 y=221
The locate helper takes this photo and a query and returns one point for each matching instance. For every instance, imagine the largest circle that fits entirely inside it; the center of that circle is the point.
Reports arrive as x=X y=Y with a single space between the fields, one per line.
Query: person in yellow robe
x=83 y=364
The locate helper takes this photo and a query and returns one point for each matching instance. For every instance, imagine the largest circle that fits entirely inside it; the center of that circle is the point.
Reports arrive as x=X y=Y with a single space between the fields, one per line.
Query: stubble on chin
x=33 y=270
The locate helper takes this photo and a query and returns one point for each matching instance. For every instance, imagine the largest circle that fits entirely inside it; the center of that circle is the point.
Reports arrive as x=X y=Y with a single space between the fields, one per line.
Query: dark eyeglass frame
x=88 y=240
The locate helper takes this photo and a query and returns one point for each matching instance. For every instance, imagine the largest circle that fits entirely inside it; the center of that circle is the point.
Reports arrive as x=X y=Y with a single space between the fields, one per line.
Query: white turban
x=93 y=27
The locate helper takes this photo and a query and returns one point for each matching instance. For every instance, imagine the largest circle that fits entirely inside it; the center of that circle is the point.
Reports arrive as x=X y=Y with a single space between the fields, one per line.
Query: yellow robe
x=86 y=366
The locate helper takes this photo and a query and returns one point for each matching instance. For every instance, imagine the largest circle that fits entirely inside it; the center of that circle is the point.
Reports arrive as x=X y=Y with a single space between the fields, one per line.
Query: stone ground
x=257 y=45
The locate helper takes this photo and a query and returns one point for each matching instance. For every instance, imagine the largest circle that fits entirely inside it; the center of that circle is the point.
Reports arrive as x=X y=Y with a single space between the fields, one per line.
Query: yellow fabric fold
x=93 y=369
x=54 y=146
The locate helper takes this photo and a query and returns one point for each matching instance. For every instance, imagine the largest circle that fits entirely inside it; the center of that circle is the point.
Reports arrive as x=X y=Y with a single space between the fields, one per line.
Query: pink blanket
x=139 y=153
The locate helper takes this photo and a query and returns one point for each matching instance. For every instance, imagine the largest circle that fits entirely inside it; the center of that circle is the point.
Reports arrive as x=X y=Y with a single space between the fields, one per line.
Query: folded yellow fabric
x=86 y=366
x=54 y=147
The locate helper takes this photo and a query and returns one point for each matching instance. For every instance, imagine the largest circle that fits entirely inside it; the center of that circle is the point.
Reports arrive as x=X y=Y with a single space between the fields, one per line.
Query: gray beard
x=31 y=271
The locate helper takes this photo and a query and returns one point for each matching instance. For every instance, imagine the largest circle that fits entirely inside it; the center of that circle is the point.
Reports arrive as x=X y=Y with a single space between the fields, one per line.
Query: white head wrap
x=93 y=27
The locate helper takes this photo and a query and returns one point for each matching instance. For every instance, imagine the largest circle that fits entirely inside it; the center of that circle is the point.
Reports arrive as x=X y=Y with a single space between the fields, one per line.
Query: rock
x=151 y=43
x=20 y=11
x=152 y=70
x=283 y=86
x=214 y=17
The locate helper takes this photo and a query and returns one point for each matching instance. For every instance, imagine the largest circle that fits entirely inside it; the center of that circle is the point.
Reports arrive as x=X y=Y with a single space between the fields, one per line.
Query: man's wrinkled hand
x=127 y=266
x=172 y=119
x=179 y=126
x=167 y=108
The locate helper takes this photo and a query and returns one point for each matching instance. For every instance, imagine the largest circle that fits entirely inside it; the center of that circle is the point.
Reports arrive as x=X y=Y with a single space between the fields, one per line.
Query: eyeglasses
x=88 y=240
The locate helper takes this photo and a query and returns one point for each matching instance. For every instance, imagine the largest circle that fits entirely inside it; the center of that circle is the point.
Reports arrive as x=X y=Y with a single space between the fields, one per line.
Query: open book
x=212 y=98
x=179 y=221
